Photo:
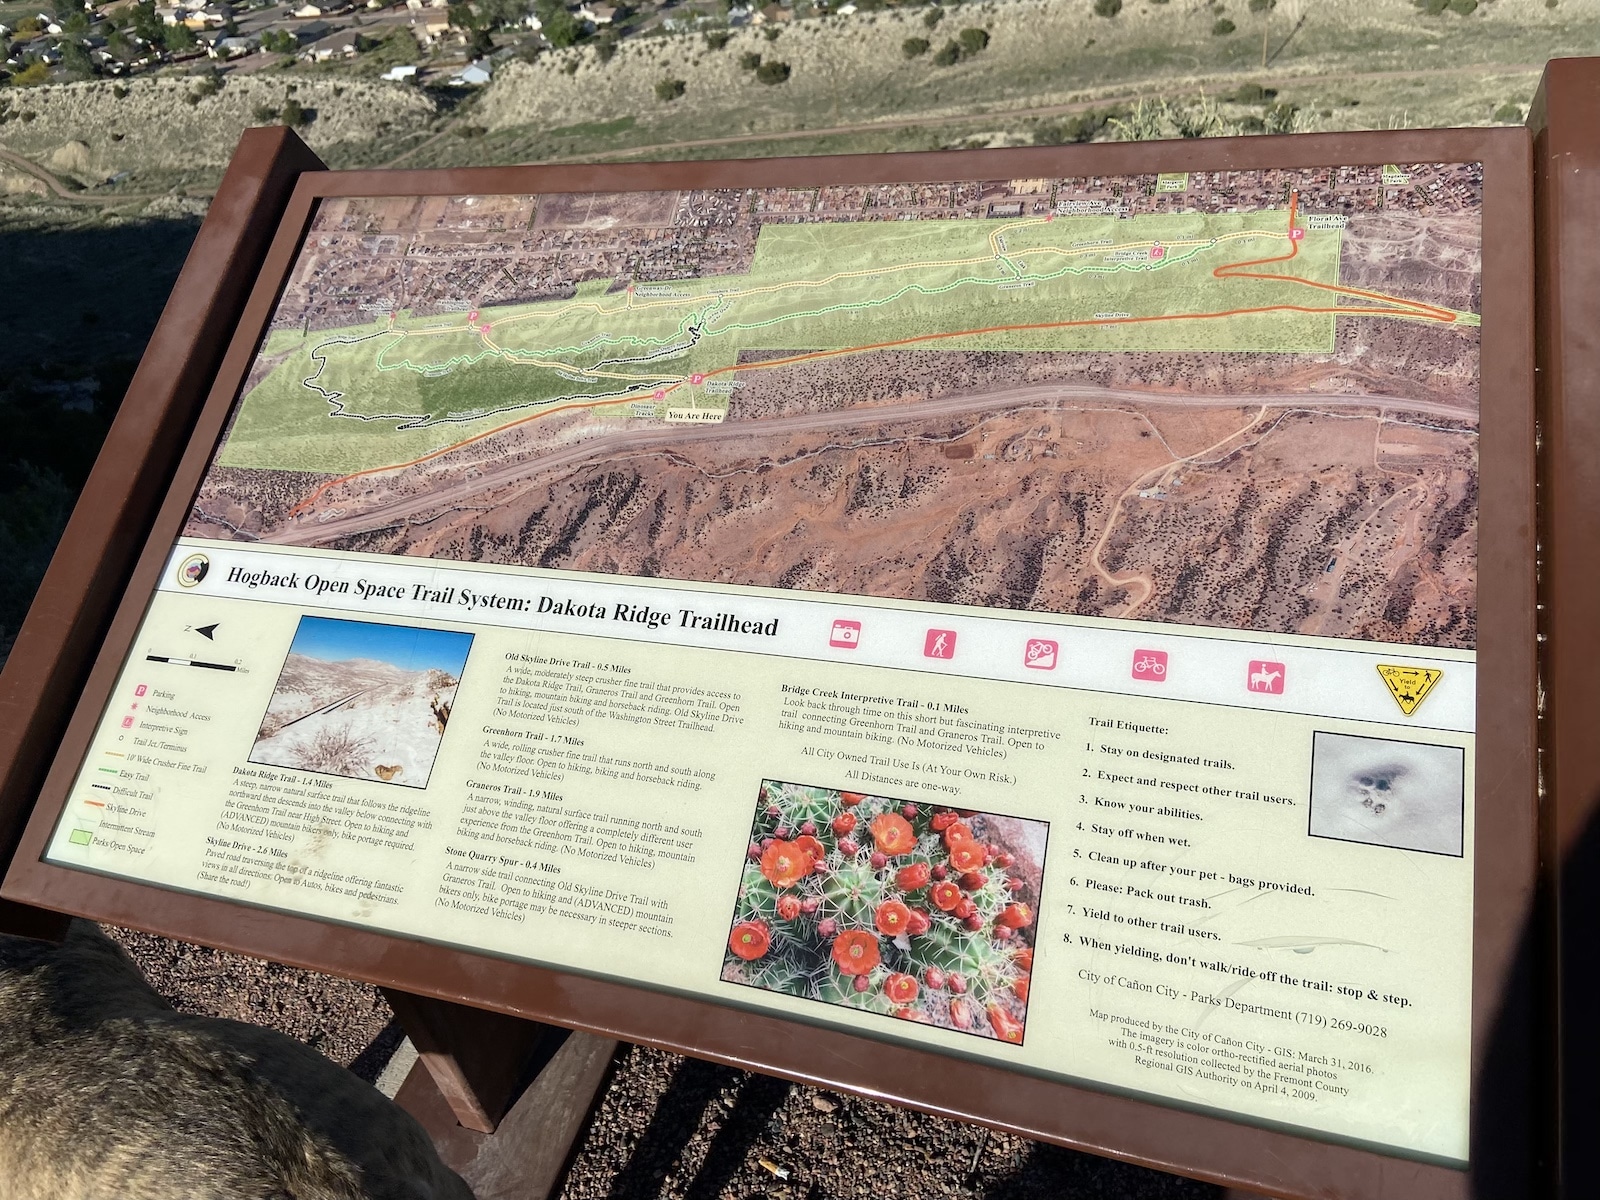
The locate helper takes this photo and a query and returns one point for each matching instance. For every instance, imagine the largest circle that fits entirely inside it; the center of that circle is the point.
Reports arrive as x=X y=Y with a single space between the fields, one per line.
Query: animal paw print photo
x=363 y=700
x=1405 y=795
x=901 y=909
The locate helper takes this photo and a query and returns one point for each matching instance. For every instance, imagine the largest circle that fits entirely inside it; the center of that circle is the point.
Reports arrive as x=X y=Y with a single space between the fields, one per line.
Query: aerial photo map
x=1245 y=399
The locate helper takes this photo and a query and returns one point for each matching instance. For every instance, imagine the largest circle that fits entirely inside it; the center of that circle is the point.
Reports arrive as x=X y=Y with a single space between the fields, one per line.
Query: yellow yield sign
x=1409 y=685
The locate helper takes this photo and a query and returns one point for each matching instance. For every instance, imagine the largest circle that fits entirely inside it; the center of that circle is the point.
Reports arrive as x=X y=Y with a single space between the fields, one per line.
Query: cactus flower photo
x=904 y=909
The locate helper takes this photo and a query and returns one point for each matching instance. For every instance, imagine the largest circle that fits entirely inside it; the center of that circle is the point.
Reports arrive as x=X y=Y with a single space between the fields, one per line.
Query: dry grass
x=86 y=132
x=847 y=70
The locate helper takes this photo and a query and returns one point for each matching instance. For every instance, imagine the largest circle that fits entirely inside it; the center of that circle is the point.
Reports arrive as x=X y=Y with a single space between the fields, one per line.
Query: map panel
x=1250 y=402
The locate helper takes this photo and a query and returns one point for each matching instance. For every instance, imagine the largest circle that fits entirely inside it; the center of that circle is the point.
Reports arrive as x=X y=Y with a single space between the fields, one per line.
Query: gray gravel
x=671 y=1128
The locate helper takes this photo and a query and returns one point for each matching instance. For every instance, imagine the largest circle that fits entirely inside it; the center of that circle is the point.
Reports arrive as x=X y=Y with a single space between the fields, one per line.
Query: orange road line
x=96 y=803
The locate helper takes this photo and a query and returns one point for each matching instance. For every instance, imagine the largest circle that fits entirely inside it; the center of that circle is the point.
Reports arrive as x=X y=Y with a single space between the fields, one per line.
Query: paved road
x=308 y=531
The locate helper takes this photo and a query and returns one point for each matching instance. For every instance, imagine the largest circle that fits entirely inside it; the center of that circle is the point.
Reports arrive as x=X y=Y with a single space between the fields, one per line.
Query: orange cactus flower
x=750 y=940
x=784 y=864
x=956 y=833
x=1006 y=1029
x=855 y=952
x=812 y=847
x=1020 y=987
x=943 y=820
x=901 y=989
x=914 y=877
x=967 y=856
x=851 y=799
x=1024 y=958
x=1015 y=916
x=892 y=918
x=788 y=907
x=892 y=834
x=945 y=896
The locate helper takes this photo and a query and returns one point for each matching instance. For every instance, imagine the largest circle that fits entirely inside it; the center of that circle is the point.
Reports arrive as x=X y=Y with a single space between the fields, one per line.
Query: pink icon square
x=1266 y=677
x=846 y=635
x=140 y=690
x=1150 y=665
x=940 y=643
x=1296 y=235
x=1040 y=654
x=127 y=722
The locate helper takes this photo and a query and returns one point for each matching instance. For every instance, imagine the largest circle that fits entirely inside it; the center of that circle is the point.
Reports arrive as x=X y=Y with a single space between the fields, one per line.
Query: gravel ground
x=677 y=1128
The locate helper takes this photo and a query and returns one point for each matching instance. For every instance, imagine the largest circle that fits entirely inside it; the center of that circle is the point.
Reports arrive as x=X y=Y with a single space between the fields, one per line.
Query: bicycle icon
x=1150 y=665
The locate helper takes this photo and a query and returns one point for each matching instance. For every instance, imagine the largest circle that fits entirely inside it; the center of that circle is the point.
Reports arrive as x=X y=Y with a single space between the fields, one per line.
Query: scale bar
x=189 y=662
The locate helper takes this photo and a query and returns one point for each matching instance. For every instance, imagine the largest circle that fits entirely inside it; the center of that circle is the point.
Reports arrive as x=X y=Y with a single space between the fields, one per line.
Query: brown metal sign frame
x=1566 y=216
x=1270 y=1160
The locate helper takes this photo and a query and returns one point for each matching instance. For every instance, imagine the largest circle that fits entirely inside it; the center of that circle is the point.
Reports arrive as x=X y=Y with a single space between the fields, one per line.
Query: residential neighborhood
x=427 y=42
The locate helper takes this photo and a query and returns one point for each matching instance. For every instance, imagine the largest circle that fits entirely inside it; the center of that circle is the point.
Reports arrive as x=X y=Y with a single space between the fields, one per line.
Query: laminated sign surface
x=1034 y=619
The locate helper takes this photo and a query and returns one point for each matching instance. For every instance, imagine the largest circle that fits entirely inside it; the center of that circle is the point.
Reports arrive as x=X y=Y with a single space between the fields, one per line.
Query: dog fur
x=107 y=1093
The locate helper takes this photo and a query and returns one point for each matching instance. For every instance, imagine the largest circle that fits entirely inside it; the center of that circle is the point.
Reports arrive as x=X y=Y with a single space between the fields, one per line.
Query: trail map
x=1241 y=399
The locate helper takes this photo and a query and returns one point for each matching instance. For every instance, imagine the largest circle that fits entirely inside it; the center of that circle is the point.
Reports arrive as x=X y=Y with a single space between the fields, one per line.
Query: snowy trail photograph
x=362 y=700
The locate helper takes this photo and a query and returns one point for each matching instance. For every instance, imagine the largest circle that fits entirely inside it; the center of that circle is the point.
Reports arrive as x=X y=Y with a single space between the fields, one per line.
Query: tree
x=147 y=23
x=177 y=38
x=75 y=60
x=668 y=90
x=31 y=75
x=772 y=72
x=1109 y=8
x=915 y=47
x=1223 y=27
x=948 y=56
x=278 y=41
x=717 y=39
x=932 y=17
x=293 y=114
x=973 y=41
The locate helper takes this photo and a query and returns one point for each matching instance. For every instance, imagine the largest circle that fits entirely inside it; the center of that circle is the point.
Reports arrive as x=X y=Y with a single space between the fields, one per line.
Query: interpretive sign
x=1032 y=619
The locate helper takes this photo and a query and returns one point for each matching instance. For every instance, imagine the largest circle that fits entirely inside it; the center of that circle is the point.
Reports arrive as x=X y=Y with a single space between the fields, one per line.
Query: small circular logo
x=193 y=569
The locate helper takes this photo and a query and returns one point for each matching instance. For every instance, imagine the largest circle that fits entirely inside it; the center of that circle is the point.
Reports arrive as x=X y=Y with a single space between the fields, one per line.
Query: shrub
x=606 y=49
x=1081 y=127
x=31 y=75
x=949 y=56
x=1433 y=7
x=771 y=33
x=1261 y=6
x=1107 y=8
x=1223 y=28
x=915 y=47
x=932 y=17
x=119 y=92
x=1251 y=93
x=1508 y=114
x=973 y=40
x=338 y=752
x=772 y=72
x=1464 y=8
x=668 y=90
x=749 y=60
x=717 y=39
x=293 y=114
x=265 y=114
